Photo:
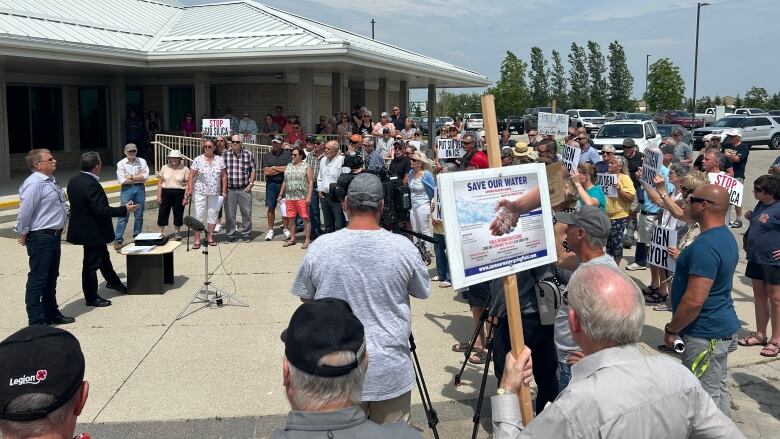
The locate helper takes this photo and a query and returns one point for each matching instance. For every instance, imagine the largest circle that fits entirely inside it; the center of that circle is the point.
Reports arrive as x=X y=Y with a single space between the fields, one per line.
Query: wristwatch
x=503 y=391
x=663 y=195
x=668 y=331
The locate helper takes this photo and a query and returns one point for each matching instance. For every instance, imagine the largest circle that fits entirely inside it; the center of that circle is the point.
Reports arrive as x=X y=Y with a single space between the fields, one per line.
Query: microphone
x=194 y=224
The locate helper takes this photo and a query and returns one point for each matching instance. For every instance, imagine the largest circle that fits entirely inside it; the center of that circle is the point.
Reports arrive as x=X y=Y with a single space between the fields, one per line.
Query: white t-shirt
x=335 y=266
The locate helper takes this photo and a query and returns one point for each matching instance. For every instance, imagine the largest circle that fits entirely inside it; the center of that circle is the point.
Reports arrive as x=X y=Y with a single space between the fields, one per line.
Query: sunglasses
x=468 y=143
x=50 y=159
x=235 y=142
x=608 y=153
x=208 y=146
x=697 y=199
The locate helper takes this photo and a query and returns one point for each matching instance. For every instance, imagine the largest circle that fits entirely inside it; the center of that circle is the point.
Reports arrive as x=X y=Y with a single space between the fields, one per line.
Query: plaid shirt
x=239 y=168
x=313 y=162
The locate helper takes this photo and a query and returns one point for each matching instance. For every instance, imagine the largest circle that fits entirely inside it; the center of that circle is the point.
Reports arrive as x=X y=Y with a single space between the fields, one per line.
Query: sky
x=738 y=39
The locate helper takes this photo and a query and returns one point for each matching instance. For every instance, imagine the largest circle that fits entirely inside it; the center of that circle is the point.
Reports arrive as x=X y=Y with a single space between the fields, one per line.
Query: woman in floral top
x=207 y=181
x=297 y=187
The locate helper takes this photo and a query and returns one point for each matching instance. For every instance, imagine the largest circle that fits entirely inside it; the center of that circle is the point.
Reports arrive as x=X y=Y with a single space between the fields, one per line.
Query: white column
x=403 y=98
x=202 y=96
x=5 y=151
x=382 y=100
x=306 y=103
x=117 y=118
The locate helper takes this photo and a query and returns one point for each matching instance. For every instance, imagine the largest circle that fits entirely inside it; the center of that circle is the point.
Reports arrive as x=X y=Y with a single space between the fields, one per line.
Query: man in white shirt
x=331 y=166
x=131 y=172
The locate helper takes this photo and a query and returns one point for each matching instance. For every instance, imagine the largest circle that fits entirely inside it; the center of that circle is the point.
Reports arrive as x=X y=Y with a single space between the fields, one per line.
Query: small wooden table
x=148 y=271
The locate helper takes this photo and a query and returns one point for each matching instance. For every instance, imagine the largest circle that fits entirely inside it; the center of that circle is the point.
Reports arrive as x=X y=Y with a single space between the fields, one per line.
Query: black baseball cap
x=667 y=149
x=311 y=138
x=39 y=359
x=591 y=218
x=321 y=327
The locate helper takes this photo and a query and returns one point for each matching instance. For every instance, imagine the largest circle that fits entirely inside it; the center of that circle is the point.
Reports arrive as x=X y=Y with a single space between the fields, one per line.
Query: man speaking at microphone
x=90 y=226
x=379 y=298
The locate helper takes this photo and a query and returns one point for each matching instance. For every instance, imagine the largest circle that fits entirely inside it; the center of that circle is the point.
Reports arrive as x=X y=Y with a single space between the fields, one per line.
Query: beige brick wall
x=392 y=99
x=257 y=99
x=322 y=101
x=372 y=103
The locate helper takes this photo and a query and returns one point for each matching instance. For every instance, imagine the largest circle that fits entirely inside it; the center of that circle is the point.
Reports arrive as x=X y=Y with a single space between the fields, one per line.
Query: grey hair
x=591 y=294
x=311 y=393
x=34 y=156
x=608 y=148
x=89 y=161
x=669 y=141
x=594 y=242
x=36 y=427
x=623 y=163
x=714 y=151
x=680 y=169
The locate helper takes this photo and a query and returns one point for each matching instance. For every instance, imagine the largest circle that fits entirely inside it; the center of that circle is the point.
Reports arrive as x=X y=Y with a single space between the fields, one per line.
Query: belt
x=238 y=187
x=51 y=232
x=132 y=184
x=646 y=213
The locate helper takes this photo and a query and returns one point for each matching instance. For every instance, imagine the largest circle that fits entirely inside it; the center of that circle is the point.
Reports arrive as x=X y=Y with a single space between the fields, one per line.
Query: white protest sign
x=607 y=183
x=732 y=185
x=553 y=124
x=249 y=138
x=485 y=242
x=414 y=143
x=450 y=149
x=651 y=165
x=436 y=214
x=662 y=239
x=216 y=127
x=571 y=157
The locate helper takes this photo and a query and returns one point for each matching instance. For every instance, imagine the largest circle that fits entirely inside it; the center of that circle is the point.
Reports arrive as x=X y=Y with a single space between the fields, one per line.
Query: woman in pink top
x=188 y=124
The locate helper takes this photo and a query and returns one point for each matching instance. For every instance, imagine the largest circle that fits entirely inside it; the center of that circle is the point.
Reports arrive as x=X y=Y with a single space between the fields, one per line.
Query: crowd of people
x=347 y=354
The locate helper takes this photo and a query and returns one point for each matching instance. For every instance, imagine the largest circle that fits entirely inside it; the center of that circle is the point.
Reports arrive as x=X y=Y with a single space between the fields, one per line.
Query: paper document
x=148 y=236
x=137 y=249
x=220 y=200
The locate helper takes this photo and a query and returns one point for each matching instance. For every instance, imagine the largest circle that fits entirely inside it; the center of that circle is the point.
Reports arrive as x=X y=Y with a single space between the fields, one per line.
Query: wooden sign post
x=511 y=295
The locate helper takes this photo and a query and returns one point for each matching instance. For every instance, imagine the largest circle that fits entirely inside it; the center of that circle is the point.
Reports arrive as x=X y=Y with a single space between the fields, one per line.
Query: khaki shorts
x=389 y=410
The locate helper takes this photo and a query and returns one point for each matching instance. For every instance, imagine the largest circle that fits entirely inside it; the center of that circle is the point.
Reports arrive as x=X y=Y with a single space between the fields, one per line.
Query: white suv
x=473 y=121
x=592 y=120
x=644 y=133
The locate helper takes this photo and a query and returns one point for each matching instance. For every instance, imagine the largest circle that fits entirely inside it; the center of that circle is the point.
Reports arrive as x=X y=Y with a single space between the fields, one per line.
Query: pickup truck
x=678 y=117
x=749 y=111
x=511 y=124
x=708 y=117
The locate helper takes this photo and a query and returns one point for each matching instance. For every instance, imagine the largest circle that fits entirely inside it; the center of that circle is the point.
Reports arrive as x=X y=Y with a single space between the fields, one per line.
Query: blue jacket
x=427 y=180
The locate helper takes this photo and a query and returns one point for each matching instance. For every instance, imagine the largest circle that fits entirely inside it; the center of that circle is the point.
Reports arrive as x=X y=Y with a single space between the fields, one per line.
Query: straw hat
x=522 y=150
x=175 y=154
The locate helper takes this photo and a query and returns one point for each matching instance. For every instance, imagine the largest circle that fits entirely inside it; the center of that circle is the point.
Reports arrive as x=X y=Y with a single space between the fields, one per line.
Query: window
x=729 y=122
x=590 y=113
x=93 y=127
x=621 y=131
x=34 y=118
x=761 y=121
x=181 y=100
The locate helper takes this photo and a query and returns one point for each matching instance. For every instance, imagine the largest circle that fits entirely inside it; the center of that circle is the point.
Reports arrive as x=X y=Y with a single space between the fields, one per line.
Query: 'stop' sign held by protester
x=216 y=127
x=731 y=184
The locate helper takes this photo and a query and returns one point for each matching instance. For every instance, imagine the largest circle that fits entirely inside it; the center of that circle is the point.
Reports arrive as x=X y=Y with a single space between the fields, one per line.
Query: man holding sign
x=737 y=153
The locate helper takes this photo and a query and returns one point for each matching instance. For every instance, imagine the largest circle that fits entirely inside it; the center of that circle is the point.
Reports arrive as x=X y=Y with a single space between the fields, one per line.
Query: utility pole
x=373 y=22
x=647 y=74
x=696 y=59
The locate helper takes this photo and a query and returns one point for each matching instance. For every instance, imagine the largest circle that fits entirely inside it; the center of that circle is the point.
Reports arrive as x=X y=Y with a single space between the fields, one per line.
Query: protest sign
x=450 y=148
x=249 y=138
x=570 y=157
x=216 y=127
x=553 y=124
x=607 y=183
x=487 y=242
x=414 y=143
x=436 y=213
x=732 y=185
x=662 y=239
x=651 y=165
x=555 y=183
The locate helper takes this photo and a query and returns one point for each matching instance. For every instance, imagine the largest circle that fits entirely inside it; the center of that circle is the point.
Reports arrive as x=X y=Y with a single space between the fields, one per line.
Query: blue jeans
x=565 y=376
x=138 y=196
x=314 y=214
x=442 y=266
x=40 y=293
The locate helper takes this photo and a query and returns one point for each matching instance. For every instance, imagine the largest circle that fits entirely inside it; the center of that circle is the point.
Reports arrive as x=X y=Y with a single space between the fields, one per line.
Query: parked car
x=531 y=117
x=613 y=115
x=422 y=124
x=749 y=111
x=761 y=129
x=678 y=117
x=634 y=116
x=511 y=124
x=774 y=112
x=708 y=117
x=591 y=120
x=666 y=130
x=473 y=121
x=644 y=133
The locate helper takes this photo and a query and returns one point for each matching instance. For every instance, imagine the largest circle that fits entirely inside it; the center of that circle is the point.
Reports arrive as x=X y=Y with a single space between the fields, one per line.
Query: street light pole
x=372 y=28
x=696 y=60
x=647 y=74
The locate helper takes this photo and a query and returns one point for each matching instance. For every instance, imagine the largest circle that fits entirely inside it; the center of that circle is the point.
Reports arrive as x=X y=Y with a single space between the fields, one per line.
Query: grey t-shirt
x=682 y=151
x=563 y=341
x=338 y=265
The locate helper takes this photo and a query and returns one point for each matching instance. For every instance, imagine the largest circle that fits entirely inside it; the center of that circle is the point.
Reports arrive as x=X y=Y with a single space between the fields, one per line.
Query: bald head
x=608 y=305
x=716 y=195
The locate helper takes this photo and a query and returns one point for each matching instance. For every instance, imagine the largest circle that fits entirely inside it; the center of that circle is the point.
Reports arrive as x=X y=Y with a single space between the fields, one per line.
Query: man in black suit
x=90 y=226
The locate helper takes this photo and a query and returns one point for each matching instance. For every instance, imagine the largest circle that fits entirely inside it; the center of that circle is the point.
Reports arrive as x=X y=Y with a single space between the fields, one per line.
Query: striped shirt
x=42 y=204
x=313 y=162
x=239 y=168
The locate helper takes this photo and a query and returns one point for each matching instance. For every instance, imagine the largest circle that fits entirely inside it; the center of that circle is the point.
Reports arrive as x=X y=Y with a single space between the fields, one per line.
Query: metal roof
x=153 y=30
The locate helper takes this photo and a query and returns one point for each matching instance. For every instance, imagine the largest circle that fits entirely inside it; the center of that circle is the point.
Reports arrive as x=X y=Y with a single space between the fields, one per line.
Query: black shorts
x=479 y=294
x=770 y=274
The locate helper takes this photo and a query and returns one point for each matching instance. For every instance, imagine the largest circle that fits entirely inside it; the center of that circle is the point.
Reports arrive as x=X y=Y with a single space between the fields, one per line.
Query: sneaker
x=634 y=267
x=736 y=224
x=445 y=284
x=247 y=239
x=436 y=278
x=118 y=245
x=270 y=235
x=287 y=234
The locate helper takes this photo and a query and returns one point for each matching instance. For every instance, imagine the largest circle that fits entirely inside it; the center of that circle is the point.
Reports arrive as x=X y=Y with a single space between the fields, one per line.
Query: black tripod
x=484 y=319
x=430 y=412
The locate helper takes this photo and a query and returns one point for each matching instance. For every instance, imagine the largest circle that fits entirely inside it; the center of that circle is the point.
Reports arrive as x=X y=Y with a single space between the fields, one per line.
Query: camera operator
x=335 y=266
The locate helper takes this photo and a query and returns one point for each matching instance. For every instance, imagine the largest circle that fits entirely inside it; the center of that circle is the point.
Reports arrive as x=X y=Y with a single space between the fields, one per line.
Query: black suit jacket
x=90 y=215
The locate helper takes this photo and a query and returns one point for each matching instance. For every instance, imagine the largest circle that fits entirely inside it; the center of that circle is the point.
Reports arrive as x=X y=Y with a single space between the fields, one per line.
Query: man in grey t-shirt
x=334 y=266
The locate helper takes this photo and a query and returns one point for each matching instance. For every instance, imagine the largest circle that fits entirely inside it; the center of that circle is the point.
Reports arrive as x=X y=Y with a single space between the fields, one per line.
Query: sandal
x=478 y=357
x=288 y=243
x=649 y=291
x=305 y=245
x=663 y=307
x=771 y=350
x=460 y=346
x=436 y=278
x=213 y=243
x=746 y=341
x=656 y=297
x=196 y=246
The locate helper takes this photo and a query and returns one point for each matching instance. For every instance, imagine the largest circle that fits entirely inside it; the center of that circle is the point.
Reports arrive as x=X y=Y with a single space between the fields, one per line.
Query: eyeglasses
x=697 y=199
x=50 y=159
x=132 y=151
x=468 y=143
x=608 y=153
x=582 y=138
x=208 y=146
x=235 y=142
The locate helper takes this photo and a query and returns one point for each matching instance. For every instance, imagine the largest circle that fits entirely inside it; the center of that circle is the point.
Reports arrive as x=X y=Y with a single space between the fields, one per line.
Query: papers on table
x=137 y=249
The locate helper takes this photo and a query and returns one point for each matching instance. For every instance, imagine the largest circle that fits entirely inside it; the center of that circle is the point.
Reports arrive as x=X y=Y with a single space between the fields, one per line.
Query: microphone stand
x=189 y=213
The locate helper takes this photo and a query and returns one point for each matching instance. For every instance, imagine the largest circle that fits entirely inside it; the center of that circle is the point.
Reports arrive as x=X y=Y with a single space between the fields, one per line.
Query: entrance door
x=93 y=118
x=181 y=100
x=34 y=118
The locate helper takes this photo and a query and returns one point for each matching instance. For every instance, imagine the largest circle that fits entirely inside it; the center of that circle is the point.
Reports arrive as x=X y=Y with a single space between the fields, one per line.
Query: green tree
x=597 y=67
x=558 y=81
x=738 y=101
x=537 y=76
x=511 y=91
x=578 y=77
x=455 y=104
x=621 y=83
x=774 y=103
x=717 y=101
x=665 y=86
x=705 y=104
x=756 y=97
